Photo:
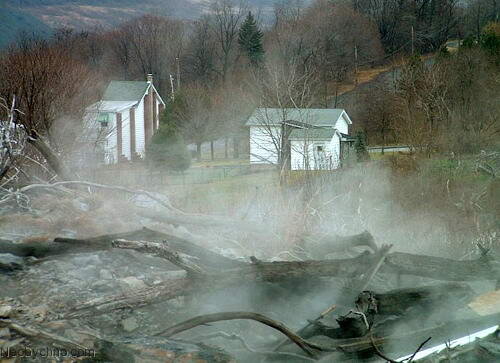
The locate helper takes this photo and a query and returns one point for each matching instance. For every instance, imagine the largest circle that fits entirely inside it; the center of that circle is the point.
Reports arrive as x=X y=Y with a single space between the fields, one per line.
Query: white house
x=313 y=137
x=126 y=118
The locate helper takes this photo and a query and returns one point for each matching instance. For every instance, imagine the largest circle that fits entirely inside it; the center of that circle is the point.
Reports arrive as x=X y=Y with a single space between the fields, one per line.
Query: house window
x=103 y=119
x=319 y=148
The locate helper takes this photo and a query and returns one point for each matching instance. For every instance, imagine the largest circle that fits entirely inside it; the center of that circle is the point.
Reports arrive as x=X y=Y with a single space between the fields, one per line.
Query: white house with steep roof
x=313 y=138
x=126 y=118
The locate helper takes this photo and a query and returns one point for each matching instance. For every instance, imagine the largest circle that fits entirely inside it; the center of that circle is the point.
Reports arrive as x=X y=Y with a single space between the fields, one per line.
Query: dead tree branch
x=306 y=346
x=161 y=250
x=93 y=185
x=236 y=337
x=32 y=332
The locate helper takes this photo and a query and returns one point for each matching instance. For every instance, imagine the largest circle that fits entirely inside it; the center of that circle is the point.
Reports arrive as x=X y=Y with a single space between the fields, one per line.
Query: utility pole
x=356 y=65
x=412 y=40
x=178 y=73
x=172 y=86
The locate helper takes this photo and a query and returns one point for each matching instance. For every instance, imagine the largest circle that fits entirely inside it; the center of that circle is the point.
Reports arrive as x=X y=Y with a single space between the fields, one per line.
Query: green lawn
x=223 y=195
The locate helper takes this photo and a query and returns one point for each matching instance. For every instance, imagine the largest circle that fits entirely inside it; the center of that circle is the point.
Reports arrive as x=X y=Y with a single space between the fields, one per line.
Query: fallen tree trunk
x=317 y=246
x=437 y=268
x=53 y=160
x=418 y=304
x=255 y=272
x=62 y=246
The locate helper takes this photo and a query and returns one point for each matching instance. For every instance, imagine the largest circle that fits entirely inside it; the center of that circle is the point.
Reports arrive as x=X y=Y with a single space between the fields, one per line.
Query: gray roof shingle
x=125 y=91
x=312 y=134
x=312 y=116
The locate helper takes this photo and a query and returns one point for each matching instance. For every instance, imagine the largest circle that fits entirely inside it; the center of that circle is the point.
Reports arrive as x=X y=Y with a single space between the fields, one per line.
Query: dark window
x=319 y=148
x=103 y=119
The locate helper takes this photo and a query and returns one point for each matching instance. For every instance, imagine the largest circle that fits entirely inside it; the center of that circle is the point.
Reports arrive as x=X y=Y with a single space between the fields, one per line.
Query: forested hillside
x=13 y=21
x=41 y=15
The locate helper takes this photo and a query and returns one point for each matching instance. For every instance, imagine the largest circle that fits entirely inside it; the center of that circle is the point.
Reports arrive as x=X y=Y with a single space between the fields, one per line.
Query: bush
x=168 y=151
x=360 y=146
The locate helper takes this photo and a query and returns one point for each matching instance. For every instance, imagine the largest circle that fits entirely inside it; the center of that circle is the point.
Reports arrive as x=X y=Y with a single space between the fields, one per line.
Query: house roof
x=121 y=91
x=111 y=106
x=312 y=134
x=321 y=117
x=125 y=91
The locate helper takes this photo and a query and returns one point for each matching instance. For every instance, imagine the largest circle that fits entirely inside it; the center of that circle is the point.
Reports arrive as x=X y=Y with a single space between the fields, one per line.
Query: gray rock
x=85 y=260
x=105 y=274
x=69 y=233
x=10 y=262
x=491 y=347
x=145 y=202
x=130 y=324
x=132 y=282
x=104 y=286
x=81 y=204
x=6 y=311
x=5 y=333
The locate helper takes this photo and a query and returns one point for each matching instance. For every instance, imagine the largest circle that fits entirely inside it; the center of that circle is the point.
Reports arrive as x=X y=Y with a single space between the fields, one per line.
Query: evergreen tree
x=167 y=149
x=490 y=39
x=250 y=40
x=360 y=146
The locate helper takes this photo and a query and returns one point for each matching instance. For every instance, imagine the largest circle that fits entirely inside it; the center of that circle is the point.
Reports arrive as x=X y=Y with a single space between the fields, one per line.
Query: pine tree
x=360 y=146
x=250 y=40
x=167 y=149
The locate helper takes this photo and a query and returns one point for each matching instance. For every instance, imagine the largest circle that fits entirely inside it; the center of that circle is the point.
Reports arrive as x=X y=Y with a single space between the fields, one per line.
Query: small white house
x=126 y=118
x=313 y=137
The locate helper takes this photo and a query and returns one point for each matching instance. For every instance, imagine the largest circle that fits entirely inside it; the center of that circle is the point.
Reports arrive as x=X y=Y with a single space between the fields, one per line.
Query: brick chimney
x=149 y=78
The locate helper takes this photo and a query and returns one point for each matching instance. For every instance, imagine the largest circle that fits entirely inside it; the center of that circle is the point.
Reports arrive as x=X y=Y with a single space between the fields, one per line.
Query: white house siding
x=262 y=148
x=139 y=129
x=300 y=150
x=110 y=150
x=126 y=133
x=335 y=152
x=158 y=104
x=305 y=157
x=342 y=125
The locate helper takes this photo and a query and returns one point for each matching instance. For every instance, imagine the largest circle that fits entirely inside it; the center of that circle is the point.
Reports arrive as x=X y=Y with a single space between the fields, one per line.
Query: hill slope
x=41 y=15
x=13 y=21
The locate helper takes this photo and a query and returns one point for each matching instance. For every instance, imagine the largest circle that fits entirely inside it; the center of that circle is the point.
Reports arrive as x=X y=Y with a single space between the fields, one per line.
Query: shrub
x=168 y=151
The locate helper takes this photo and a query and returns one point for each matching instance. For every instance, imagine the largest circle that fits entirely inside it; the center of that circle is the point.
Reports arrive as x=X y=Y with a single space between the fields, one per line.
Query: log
x=358 y=286
x=414 y=305
x=62 y=246
x=440 y=268
x=437 y=268
x=257 y=272
x=161 y=249
x=206 y=257
x=317 y=245
x=35 y=249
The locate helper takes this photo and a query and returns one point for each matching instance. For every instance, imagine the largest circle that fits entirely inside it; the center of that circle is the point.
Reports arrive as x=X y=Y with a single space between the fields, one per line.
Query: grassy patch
x=223 y=162
x=224 y=196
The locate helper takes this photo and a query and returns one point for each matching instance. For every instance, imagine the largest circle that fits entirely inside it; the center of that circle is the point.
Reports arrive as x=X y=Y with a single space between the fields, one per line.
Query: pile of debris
x=161 y=294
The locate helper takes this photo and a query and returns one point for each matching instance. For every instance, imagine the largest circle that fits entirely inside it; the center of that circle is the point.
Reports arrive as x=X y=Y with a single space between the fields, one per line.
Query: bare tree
x=12 y=142
x=200 y=51
x=51 y=88
x=282 y=88
x=380 y=111
x=227 y=17
x=149 y=44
